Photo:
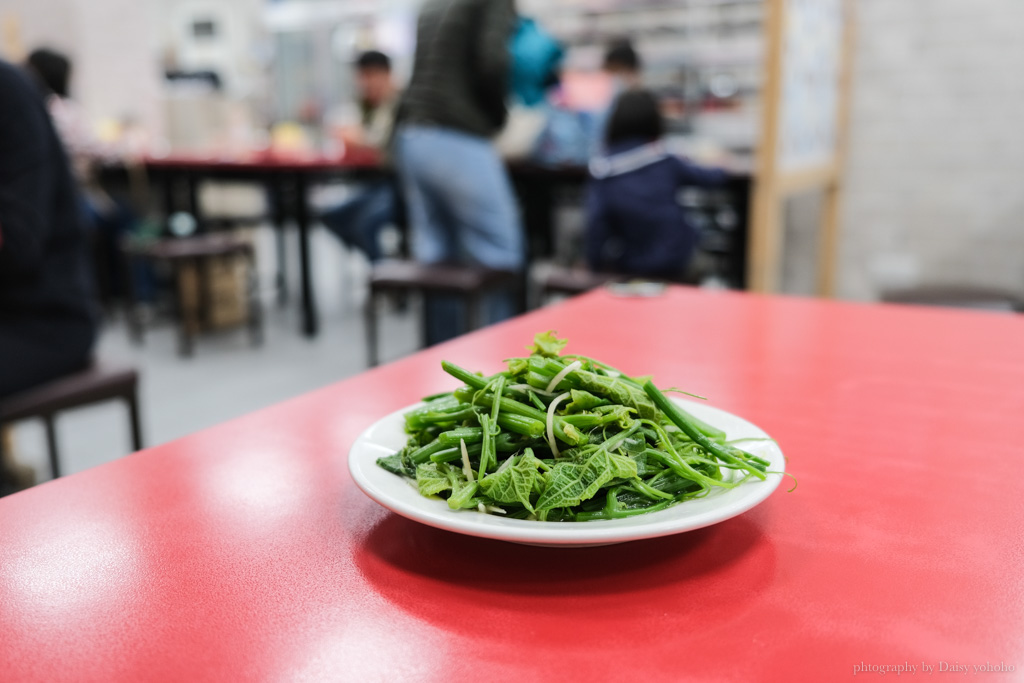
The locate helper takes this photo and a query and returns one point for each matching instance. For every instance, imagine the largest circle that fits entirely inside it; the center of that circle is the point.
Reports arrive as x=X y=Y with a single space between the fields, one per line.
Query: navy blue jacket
x=635 y=225
x=48 y=313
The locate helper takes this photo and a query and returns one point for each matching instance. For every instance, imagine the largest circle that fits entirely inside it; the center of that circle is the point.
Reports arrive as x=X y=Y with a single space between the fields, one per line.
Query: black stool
x=190 y=252
x=467 y=282
x=571 y=281
x=958 y=297
x=94 y=385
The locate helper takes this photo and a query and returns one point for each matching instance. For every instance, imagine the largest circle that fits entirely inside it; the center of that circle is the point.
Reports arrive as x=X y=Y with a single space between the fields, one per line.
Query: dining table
x=287 y=179
x=245 y=552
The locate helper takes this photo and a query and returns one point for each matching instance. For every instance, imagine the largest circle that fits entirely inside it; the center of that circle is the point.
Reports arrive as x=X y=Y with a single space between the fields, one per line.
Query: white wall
x=51 y=23
x=120 y=74
x=110 y=43
x=236 y=53
x=935 y=167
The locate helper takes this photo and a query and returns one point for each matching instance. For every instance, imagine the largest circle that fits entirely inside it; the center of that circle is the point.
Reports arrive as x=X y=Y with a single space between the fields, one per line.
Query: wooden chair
x=403 y=277
x=187 y=255
x=94 y=385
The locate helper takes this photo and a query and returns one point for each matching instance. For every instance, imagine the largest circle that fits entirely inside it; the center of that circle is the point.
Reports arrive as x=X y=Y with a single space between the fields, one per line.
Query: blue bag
x=536 y=55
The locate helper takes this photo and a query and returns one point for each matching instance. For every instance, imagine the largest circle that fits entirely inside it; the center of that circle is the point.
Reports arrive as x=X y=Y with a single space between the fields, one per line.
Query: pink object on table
x=245 y=552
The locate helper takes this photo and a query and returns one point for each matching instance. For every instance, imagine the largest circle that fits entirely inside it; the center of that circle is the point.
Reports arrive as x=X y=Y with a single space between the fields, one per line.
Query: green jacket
x=461 y=70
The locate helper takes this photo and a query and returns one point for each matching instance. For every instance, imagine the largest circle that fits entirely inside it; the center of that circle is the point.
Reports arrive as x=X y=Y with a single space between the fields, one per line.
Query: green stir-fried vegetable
x=563 y=438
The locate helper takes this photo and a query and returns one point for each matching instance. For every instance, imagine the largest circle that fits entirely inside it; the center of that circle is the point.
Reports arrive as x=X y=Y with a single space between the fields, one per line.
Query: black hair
x=621 y=55
x=635 y=116
x=372 y=59
x=52 y=69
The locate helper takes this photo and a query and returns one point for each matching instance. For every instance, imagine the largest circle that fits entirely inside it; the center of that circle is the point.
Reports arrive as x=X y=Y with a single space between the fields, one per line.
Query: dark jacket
x=44 y=271
x=635 y=224
x=461 y=71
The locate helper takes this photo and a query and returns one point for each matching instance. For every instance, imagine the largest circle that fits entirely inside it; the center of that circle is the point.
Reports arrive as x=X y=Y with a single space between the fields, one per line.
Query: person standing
x=460 y=201
x=108 y=218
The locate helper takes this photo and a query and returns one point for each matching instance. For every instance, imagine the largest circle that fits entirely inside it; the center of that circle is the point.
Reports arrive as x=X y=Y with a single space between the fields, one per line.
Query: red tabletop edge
x=245 y=552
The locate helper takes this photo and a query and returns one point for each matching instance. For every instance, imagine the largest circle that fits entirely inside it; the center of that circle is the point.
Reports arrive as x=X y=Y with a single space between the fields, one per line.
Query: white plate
x=387 y=435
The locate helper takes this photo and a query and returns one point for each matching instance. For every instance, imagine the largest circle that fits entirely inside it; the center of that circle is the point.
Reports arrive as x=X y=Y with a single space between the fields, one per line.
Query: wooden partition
x=803 y=130
x=11 y=47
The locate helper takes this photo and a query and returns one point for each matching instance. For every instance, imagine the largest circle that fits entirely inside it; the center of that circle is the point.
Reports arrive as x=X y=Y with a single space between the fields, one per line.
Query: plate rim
x=564 y=534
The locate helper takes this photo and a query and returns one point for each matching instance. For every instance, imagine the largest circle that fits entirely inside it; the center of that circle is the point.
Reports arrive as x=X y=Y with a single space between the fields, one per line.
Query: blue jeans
x=359 y=220
x=461 y=210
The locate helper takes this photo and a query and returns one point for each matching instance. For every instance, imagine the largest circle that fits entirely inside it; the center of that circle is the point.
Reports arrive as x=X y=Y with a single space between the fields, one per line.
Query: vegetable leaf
x=517 y=366
x=547 y=344
x=583 y=400
x=569 y=483
x=462 y=495
x=513 y=484
x=623 y=466
x=623 y=415
x=617 y=391
x=431 y=479
x=396 y=464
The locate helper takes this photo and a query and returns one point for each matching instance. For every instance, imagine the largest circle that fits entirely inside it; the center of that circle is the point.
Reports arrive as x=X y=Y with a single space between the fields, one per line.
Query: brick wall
x=935 y=166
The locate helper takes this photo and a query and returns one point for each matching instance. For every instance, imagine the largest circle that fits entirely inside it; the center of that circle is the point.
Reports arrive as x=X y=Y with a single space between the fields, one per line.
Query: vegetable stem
x=685 y=422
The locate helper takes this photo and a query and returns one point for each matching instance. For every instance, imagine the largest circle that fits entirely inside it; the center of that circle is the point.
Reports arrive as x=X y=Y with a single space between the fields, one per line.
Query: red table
x=245 y=552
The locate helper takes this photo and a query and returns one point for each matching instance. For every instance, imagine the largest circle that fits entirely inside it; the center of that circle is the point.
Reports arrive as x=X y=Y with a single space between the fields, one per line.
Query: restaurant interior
x=283 y=203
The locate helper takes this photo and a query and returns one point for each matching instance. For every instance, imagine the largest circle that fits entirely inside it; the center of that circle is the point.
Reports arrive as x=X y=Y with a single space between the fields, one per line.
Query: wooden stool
x=94 y=385
x=467 y=282
x=189 y=253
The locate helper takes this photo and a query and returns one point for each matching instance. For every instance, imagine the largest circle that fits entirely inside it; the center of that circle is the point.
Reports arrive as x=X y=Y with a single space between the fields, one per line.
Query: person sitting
x=623 y=71
x=634 y=224
x=48 y=312
x=109 y=218
x=358 y=222
x=622 y=64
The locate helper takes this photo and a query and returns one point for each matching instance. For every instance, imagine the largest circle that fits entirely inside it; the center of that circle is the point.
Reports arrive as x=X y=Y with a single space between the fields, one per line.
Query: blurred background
x=872 y=151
